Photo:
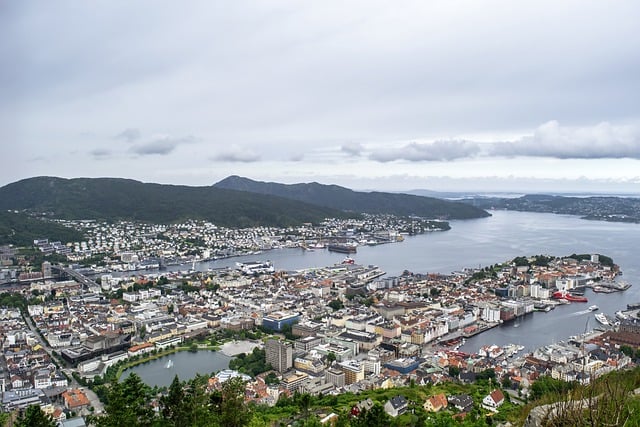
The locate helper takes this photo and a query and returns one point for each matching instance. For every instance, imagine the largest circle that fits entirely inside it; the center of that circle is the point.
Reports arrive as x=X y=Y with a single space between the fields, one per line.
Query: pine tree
x=33 y=416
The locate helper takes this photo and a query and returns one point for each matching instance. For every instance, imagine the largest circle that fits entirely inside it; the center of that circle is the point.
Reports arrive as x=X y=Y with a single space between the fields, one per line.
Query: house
x=396 y=406
x=363 y=405
x=436 y=403
x=493 y=400
x=462 y=402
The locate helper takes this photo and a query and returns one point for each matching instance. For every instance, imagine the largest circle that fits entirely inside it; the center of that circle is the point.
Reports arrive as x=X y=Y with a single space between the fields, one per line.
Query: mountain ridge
x=374 y=202
x=126 y=199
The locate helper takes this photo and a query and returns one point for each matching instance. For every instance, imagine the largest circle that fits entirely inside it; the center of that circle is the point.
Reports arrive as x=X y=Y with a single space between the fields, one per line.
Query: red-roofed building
x=436 y=403
x=75 y=399
x=493 y=400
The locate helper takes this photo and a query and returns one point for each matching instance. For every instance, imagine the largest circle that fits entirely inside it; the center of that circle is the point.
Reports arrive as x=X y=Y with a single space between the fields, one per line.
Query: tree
x=33 y=416
x=173 y=403
x=233 y=410
x=331 y=357
x=336 y=304
x=128 y=404
x=454 y=371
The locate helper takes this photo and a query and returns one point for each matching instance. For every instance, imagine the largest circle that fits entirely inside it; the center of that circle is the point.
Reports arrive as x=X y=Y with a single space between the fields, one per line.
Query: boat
x=600 y=317
x=255 y=267
x=593 y=308
x=342 y=248
x=564 y=295
x=620 y=315
x=348 y=260
x=169 y=364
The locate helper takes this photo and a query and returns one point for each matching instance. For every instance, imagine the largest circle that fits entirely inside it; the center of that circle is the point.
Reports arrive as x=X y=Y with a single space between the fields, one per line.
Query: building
x=436 y=403
x=493 y=400
x=276 y=320
x=396 y=406
x=335 y=377
x=294 y=381
x=74 y=400
x=353 y=371
x=307 y=343
x=279 y=354
x=305 y=329
x=404 y=366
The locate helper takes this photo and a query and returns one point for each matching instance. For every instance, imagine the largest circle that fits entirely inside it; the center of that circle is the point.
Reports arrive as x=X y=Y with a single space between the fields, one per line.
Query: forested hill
x=336 y=197
x=620 y=209
x=123 y=199
x=21 y=230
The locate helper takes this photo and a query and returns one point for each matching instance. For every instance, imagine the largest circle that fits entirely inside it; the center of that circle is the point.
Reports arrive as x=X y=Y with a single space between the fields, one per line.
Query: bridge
x=80 y=278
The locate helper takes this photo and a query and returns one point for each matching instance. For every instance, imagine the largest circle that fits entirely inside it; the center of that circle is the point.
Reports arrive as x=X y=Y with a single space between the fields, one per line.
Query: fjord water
x=501 y=237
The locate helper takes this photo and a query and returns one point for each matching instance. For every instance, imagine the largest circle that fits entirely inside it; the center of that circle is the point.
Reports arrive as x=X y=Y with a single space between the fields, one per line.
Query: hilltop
x=336 y=197
x=114 y=199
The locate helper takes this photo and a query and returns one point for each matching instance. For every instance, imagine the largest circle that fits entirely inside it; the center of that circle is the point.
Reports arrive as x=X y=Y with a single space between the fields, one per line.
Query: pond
x=185 y=364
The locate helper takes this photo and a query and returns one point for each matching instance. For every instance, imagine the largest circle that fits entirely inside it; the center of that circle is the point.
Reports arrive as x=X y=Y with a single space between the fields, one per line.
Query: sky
x=386 y=95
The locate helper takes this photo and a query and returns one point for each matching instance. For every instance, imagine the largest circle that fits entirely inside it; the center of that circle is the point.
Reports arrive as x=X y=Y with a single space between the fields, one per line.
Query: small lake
x=185 y=364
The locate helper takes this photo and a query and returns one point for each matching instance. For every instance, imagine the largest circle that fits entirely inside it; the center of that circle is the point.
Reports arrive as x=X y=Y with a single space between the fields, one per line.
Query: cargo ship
x=568 y=296
x=342 y=248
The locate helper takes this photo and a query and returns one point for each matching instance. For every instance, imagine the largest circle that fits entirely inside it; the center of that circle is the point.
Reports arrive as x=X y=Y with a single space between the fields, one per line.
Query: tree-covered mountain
x=21 y=230
x=123 y=199
x=336 y=197
x=622 y=209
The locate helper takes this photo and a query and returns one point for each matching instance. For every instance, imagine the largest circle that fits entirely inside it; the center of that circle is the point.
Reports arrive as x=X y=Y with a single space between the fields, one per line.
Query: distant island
x=615 y=209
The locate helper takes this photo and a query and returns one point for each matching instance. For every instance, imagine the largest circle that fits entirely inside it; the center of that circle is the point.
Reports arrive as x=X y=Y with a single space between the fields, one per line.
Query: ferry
x=564 y=295
x=593 y=308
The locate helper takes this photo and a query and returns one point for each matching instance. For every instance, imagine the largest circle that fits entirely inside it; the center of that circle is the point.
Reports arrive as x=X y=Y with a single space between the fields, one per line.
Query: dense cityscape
x=346 y=328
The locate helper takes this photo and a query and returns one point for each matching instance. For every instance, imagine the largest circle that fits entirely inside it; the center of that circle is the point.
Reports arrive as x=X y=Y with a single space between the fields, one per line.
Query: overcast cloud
x=303 y=91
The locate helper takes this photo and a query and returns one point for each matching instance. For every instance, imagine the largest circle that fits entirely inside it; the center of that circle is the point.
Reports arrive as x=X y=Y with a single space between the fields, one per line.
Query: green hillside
x=336 y=197
x=21 y=230
x=122 y=199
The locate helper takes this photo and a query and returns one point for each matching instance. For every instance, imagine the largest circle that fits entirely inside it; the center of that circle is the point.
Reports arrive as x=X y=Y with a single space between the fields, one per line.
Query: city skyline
x=443 y=96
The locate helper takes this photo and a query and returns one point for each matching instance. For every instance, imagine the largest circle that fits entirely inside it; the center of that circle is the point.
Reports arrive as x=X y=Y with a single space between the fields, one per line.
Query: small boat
x=593 y=308
x=348 y=260
x=600 y=317
x=169 y=364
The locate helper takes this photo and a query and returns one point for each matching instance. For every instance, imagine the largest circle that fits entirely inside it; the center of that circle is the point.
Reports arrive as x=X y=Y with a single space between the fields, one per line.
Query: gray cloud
x=353 y=149
x=297 y=157
x=129 y=135
x=100 y=153
x=161 y=146
x=602 y=141
x=237 y=154
x=430 y=152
